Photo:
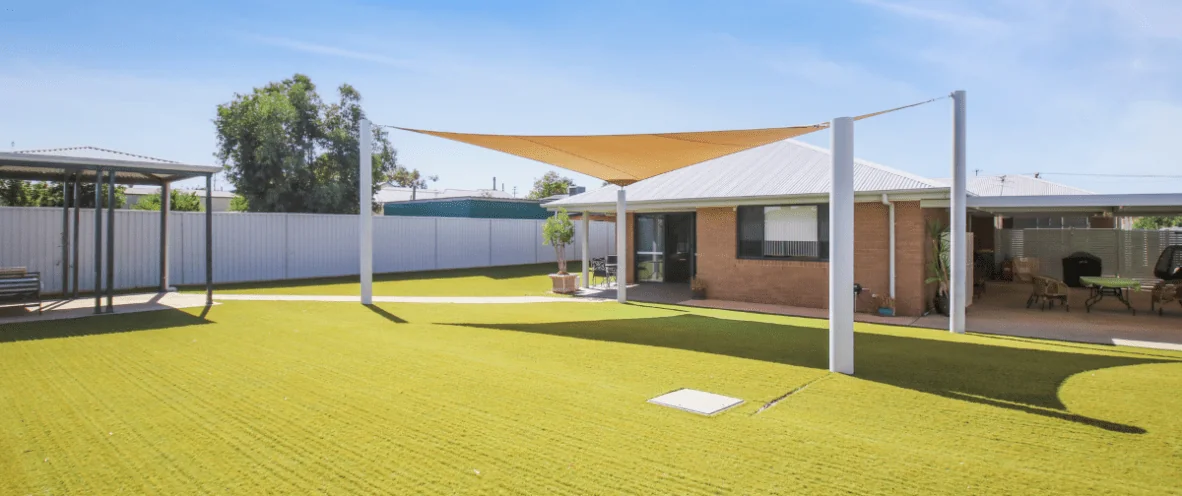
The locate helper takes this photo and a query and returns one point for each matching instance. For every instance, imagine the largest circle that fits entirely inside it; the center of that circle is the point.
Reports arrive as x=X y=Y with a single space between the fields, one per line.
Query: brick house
x=754 y=226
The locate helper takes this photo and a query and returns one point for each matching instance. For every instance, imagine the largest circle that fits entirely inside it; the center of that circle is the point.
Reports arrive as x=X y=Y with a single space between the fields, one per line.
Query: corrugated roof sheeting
x=1015 y=185
x=784 y=168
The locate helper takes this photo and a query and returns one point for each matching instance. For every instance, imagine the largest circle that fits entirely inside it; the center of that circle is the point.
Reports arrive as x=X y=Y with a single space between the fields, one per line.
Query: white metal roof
x=781 y=169
x=1122 y=204
x=1014 y=185
x=129 y=169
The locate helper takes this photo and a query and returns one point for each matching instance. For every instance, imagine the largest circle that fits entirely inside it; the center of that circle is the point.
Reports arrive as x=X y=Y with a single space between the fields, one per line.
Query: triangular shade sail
x=623 y=159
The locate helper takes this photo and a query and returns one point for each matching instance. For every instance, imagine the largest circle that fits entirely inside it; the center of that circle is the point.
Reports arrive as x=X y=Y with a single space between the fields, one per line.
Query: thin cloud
x=945 y=18
x=331 y=51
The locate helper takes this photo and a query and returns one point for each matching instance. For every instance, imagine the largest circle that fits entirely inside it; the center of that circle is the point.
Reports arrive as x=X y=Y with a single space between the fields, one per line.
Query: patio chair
x=1046 y=290
x=599 y=269
x=19 y=286
x=1163 y=293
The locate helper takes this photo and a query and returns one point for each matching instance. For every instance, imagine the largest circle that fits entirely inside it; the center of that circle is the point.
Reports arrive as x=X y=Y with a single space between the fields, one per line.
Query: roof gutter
x=691 y=204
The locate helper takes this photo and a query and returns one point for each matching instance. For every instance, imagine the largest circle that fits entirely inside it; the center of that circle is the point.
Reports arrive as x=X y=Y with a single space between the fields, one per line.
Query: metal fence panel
x=404 y=244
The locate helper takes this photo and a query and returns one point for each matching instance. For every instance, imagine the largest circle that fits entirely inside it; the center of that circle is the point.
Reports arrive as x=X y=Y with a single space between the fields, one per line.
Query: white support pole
x=957 y=258
x=841 y=247
x=365 y=211
x=891 y=228
x=621 y=247
x=586 y=248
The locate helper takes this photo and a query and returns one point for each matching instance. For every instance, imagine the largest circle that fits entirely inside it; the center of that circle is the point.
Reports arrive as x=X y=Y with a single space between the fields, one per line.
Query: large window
x=788 y=232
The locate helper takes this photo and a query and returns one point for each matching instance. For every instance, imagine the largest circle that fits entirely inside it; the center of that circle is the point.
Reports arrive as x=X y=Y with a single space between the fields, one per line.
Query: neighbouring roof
x=1015 y=185
x=149 y=190
x=784 y=168
x=391 y=194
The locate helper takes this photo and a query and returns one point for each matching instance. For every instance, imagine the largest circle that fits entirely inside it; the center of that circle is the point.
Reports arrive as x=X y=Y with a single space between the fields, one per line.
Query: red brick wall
x=806 y=284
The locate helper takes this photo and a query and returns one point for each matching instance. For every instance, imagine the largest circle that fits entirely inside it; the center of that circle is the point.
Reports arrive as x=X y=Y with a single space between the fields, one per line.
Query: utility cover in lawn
x=694 y=401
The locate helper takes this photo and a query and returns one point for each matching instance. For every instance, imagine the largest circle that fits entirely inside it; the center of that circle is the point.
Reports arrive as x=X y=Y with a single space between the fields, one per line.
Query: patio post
x=365 y=211
x=209 y=239
x=165 y=207
x=65 y=235
x=621 y=246
x=98 y=240
x=586 y=248
x=111 y=241
x=958 y=277
x=77 y=219
x=841 y=246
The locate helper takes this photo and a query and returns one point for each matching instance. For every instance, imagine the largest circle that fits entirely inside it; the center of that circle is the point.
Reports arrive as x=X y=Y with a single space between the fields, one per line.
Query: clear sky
x=1084 y=86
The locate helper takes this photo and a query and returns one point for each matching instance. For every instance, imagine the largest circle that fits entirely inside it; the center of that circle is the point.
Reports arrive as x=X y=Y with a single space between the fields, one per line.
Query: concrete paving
x=84 y=307
x=475 y=300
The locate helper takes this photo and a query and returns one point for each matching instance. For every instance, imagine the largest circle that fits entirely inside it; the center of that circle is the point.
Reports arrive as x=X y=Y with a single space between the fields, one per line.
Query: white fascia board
x=690 y=205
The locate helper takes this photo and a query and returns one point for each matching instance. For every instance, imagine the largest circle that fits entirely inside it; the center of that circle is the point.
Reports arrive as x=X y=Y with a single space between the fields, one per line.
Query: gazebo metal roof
x=38 y=167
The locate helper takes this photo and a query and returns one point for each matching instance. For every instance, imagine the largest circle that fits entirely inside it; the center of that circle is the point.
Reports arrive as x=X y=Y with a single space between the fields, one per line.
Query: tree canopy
x=550 y=184
x=179 y=201
x=286 y=150
x=17 y=193
x=1157 y=222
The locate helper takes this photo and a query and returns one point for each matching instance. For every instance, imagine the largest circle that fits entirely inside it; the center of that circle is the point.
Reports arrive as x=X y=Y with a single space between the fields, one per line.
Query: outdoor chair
x=1046 y=290
x=1163 y=293
x=599 y=269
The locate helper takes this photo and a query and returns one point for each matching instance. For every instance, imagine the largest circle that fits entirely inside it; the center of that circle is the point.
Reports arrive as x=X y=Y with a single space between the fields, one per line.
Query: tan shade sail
x=623 y=159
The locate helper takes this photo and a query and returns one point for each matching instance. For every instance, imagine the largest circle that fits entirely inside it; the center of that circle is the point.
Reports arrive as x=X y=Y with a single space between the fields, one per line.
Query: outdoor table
x=1110 y=286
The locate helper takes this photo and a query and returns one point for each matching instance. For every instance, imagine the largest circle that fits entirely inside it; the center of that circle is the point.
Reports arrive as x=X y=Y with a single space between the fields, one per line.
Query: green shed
x=477 y=208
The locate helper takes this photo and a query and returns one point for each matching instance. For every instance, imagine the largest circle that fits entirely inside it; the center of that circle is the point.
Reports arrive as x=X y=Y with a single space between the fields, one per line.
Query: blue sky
x=1084 y=86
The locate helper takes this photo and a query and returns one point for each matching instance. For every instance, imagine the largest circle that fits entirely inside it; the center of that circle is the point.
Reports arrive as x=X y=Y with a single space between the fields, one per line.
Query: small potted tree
x=938 y=265
x=698 y=287
x=559 y=232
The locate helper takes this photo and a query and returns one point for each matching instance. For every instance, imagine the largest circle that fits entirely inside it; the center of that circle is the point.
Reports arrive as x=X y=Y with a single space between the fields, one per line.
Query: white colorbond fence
x=1130 y=253
x=267 y=247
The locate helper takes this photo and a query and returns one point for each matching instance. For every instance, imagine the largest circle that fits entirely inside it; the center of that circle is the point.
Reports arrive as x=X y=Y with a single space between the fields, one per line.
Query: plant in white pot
x=559 y=232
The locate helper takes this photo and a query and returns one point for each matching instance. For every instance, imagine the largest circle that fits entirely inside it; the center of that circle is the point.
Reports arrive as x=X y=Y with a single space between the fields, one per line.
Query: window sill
x=785 y=259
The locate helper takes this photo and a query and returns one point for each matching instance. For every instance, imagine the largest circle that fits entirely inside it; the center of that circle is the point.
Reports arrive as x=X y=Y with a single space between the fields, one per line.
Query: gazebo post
x=841 y=247
x=621 y=246
x=77 y=219
x=209 y=239
x=65 y=235
x=586 y=248
x=98 y=240
x=111 y=241
x=165 y=207
x=958 y=277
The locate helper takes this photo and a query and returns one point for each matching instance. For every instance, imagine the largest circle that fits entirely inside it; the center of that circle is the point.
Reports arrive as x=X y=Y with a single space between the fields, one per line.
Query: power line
x=1097 y=174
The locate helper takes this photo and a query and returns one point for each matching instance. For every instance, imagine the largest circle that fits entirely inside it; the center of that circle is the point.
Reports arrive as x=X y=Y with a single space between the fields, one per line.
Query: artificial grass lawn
x=296 y=397
x=513 y=280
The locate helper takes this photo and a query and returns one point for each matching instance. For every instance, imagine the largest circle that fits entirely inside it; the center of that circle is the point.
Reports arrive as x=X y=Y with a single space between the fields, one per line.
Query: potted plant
x=558 y=231
x=938 y=265
x=885 y=304
x=698 y=286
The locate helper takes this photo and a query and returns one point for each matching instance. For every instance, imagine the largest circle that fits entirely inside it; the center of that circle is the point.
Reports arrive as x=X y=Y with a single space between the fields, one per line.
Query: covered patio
x=106 y=174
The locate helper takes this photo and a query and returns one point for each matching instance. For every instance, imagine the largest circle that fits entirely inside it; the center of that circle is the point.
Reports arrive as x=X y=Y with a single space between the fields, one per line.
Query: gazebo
x=71 y=172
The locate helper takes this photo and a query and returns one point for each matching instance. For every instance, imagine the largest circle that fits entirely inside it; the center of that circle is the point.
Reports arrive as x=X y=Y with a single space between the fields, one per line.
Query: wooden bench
x=19 y=286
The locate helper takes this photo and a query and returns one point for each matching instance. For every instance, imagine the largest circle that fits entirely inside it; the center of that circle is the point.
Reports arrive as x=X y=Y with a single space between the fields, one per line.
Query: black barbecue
x=1080 y=264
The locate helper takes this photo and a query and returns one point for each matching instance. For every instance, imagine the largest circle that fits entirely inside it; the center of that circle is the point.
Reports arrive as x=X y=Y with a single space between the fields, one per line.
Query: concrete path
x=408 y=299
x=84 y=307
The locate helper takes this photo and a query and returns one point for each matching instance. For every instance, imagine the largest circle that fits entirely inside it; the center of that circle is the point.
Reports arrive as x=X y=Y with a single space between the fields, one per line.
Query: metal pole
x=111 y=242
x=165 y=208
x=621 y=246
x=98 y=240
x=586 y=248
x=365 y=212
x=77 y=219
x=209 y=239
x=65 y=236
x=958 y=280
x=841 y=246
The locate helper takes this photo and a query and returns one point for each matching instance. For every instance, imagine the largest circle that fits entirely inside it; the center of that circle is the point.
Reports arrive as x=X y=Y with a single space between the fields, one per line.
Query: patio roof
x=1121 y=204
x=39 y=167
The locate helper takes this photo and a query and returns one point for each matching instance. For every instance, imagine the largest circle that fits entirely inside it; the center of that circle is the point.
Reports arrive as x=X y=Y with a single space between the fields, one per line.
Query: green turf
x=294 y=397
x=514 y=280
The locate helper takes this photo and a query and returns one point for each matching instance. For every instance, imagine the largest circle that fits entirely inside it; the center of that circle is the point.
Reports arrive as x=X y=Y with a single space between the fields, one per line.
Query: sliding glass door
x=664 y=247
x=650 y=248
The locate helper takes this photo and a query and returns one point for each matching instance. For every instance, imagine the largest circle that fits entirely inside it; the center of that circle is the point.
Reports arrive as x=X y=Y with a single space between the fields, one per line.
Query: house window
x=784 y=232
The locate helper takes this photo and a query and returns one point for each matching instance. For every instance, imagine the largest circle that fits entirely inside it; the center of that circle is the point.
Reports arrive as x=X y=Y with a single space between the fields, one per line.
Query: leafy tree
x=239 y=204
x=17 y=193
x=550 y=184
x=285 y=150
x=179 y=201
x=1157 y=222
x=558 y=231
